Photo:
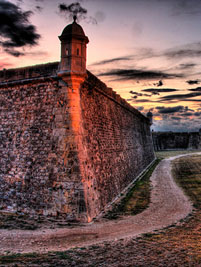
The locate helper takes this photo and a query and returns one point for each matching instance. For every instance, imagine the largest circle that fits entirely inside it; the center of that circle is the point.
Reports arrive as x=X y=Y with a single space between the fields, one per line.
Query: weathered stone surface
x=44 y=70
x=38 y=163
x=176 y=140
x=66 y=151
x=118 y=142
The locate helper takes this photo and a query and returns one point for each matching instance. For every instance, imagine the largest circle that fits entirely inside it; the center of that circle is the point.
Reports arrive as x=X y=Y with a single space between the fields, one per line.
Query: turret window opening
x=78 y=52
x=67 y=52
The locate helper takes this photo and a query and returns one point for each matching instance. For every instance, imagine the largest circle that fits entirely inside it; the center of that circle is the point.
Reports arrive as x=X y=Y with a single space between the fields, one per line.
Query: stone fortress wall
x=118 y=142
x=176 y=140
x=68 y=144
x=41 y=166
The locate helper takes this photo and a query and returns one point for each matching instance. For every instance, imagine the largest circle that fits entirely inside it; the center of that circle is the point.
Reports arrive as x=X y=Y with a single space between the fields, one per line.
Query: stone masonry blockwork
x=39 y=169
x=46 y=167
x=118 y=142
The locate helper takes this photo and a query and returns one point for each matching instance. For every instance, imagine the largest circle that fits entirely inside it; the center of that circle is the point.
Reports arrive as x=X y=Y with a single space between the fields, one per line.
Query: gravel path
x=168 y=205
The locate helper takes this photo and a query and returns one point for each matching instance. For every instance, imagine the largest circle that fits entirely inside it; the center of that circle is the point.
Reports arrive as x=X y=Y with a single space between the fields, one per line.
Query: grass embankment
x=185 y=239
x=137 y=199
x=178 y=245
x=187 y=172
x=14 y=221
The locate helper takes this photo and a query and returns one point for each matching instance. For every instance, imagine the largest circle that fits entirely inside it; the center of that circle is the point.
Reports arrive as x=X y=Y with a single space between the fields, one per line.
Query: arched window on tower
x=67 y=52
x=78 y=52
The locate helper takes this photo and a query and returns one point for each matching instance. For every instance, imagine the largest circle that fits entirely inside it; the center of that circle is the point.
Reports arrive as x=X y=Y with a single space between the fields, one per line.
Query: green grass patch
x=35 y=257
x=137 y=199
x=187 y=235
x=16 y=257
x=187 y=173
x=63 y=255
x=16 y=221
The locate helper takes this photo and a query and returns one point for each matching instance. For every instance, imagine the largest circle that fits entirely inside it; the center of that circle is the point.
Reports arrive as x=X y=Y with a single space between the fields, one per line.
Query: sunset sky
x=149 y=51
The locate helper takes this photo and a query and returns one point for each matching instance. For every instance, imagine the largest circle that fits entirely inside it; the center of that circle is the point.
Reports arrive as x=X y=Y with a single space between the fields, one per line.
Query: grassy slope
x=137 y=199
x=187 y=236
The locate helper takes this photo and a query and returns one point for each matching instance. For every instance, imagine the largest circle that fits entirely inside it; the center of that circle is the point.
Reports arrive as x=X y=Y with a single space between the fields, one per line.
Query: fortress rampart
x=68 y=144
x=43 y=167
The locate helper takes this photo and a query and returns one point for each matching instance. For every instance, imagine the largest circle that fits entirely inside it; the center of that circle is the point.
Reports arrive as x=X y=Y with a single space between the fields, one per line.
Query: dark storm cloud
x=39 y=8
x=131 y=74
x=112 y=60
x=190 y=50
x=15 y=28
x=191 y=100
x=75 y=9
x=164 y=110
x=183 y=53
x=198 y=89
x=181 y=97
x=136 y=94
x=187 y=114
x=157 y=91
x=13 y=52
x=184 y=68
x=160 y=83
x=191 y=82
x=187 y=66
x=197 y=114
x=142 y=101
x=175 y=118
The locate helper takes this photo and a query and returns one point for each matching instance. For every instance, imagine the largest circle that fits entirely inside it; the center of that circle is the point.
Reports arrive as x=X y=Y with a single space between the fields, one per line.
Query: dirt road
x=168 y=205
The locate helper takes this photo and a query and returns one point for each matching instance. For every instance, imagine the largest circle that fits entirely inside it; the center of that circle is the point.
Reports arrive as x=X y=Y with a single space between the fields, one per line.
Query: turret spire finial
x=74 y=18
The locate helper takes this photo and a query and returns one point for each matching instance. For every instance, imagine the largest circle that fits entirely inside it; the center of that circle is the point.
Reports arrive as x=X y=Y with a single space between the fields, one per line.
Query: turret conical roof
x=73 y=30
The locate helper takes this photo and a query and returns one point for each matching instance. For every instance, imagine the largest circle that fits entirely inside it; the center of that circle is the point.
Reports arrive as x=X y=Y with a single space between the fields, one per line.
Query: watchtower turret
x=73 y=49
x=150 y=117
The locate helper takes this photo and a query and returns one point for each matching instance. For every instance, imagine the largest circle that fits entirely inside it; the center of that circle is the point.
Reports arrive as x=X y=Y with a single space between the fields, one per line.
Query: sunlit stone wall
x=39 y=165
x=63 y=150
x=118 y=142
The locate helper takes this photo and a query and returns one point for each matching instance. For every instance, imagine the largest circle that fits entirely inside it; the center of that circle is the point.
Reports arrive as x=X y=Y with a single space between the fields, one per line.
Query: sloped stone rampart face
x=118 y=142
